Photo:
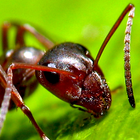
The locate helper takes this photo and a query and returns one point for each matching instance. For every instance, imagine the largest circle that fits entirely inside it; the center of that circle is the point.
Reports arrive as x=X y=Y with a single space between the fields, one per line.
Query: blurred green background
x=85 y=22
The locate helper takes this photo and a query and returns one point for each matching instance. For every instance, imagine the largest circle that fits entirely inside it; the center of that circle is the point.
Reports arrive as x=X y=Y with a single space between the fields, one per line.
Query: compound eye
x=52 y=77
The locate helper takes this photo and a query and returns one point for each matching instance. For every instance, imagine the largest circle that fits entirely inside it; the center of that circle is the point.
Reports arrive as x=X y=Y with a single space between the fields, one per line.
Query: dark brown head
x=88 y=89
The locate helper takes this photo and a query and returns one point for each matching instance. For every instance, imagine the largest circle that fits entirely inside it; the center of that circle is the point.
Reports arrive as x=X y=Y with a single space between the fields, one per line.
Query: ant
x=67 y=70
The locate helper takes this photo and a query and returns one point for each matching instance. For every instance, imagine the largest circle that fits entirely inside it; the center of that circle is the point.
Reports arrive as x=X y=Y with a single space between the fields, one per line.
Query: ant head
x=87 y=86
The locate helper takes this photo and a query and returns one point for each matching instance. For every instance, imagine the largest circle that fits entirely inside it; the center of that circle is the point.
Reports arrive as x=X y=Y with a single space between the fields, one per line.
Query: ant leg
x=19 y=102
x=3 y=76
x=27 y=28
x=11 y=92
x=5 y=28
x=6 y=99
x=130 y=8
x=21 y=29
x=116 y=89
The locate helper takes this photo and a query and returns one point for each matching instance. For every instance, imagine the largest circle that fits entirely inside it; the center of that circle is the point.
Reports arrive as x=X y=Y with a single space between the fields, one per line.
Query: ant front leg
x=6 y=99
x=11 y=92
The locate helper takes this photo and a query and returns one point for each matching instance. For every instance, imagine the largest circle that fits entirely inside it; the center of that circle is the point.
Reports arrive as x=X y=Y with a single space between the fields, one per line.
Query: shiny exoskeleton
x=24 y=79
x=67 y=70
x=89 y=90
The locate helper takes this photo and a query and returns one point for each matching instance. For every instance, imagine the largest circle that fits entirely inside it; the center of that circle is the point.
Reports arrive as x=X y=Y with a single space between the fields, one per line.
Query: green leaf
x=85 y=22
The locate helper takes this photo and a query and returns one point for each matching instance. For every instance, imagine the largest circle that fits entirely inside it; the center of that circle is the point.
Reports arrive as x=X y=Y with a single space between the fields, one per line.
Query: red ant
x=67 y=70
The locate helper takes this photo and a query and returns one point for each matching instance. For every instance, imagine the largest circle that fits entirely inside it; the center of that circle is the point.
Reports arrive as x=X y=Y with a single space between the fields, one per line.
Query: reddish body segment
x=89 y=90
x=24 y=79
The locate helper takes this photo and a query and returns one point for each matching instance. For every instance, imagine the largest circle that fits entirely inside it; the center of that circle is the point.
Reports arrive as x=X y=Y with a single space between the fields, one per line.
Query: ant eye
x=52 y=77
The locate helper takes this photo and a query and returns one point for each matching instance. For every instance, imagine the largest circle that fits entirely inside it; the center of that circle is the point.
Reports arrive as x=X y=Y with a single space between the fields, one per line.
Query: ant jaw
x=95 y=96
x=102 y=110
x=95 y=114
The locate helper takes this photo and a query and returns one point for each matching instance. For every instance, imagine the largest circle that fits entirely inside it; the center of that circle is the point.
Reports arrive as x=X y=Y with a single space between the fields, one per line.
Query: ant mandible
x=67 y=70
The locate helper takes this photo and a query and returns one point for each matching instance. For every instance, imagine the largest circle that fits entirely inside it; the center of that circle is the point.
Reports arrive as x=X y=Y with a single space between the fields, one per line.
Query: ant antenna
x=128 y=81
x=127 y=59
